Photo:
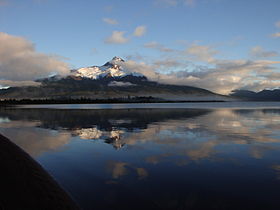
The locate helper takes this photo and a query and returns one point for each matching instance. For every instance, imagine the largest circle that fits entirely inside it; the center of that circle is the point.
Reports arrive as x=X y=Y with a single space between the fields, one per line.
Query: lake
x=156 y=156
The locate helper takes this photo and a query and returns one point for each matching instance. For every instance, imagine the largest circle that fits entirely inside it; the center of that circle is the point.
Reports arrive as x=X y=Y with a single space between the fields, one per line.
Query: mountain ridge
x=263 y=95
x=111 y=80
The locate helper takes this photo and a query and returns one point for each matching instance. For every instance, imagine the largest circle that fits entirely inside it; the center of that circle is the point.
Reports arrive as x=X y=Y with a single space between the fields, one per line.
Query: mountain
x=111 y=80
x=264 y=95
x=112 y=68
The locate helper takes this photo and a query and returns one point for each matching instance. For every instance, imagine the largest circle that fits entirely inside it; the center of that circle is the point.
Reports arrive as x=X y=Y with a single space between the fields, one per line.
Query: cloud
x=142 y=68
x=277 y=24
x=10 y=83
x=117 y=37
x=259 y=52
x=110 y=21
x=218 y=75
x=201 y=53
x=276 y=35
x=140 y=31
x=120 y=84
x=167 y=63
x=19 y=61
x=228 y=75
x=157 y=46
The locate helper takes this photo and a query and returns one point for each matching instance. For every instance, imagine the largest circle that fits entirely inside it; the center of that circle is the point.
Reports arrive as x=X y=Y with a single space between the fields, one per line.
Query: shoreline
x=190 y=105
x=105 y=101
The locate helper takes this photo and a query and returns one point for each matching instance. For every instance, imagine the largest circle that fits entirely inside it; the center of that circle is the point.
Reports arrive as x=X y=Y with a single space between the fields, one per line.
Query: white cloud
x=140 y=31
x=110 y=21
x=117 y=37
x=141 y=67
x=168 y=63
x=19 y=61
x=276 y=35
x=201 y=53
x=259 y=52
x=217 y=75
x=10 y=83
x=157 y=46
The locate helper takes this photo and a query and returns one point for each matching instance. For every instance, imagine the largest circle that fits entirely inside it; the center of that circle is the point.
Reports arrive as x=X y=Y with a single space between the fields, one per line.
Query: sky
x=220 y=45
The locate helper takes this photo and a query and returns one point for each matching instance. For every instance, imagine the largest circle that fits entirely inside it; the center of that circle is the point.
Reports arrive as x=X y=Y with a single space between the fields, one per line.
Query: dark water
x=152 y=158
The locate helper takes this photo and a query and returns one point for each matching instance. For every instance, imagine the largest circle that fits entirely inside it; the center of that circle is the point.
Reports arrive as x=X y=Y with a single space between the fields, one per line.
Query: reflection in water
x=32 y=139
x=277 y=169
x=119 y=169
x=156 y=158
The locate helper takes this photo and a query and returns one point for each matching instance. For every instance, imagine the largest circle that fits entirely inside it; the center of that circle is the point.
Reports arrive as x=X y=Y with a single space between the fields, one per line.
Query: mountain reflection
x=109 y=125
x=159 y=158
x=186 y=133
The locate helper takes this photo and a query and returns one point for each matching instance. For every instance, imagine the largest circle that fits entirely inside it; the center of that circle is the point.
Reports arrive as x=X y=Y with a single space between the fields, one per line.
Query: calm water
x=225 y=157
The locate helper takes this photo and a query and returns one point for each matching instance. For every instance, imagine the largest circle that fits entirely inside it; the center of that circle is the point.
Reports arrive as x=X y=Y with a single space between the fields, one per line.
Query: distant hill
x=111 y=80
x=264 y=95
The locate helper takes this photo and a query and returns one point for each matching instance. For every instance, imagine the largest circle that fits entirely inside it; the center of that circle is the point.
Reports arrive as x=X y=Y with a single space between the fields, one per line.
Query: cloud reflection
x=119 y=169
x=34 y=141
x=190 y=135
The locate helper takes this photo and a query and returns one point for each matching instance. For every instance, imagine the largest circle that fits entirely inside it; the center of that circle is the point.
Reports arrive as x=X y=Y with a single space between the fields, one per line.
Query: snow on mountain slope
x=112 y=68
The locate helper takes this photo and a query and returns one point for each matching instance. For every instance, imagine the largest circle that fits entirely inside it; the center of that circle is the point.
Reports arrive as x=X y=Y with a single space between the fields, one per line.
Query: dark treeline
x=82 y=100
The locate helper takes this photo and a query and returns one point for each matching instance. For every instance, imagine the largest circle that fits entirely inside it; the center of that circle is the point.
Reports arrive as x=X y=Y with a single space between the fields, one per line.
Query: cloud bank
x=259 y=52
x=21 y=63
x=198 y=65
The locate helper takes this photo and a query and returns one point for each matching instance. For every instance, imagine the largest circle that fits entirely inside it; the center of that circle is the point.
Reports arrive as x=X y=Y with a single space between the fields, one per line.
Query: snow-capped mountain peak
x=117 y=59
x=113 y=68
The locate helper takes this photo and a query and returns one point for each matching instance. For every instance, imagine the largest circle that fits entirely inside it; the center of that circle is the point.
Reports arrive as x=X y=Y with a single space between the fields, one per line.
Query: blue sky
x=214 y=34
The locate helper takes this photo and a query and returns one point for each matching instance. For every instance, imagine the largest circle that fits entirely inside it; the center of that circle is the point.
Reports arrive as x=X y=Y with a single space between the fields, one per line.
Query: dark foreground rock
x=24 y=184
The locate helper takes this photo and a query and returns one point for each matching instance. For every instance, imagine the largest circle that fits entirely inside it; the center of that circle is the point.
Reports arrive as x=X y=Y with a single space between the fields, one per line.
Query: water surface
x=156 y=158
